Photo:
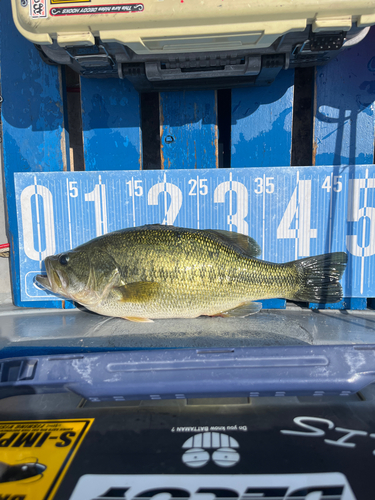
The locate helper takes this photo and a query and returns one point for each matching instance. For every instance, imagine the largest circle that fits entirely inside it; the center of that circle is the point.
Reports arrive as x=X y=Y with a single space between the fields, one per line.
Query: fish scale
x=166 y=272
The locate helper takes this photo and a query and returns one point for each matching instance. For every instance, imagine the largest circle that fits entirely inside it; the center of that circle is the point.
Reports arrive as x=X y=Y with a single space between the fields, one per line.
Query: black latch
x=326 y=41
x=92 y=58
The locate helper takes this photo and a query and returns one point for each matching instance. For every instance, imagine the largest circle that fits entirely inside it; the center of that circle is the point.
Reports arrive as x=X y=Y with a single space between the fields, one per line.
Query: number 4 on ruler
x=298 y=209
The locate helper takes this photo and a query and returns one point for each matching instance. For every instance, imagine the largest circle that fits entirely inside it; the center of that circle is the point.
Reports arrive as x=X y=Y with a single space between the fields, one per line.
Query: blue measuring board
x=291 y=212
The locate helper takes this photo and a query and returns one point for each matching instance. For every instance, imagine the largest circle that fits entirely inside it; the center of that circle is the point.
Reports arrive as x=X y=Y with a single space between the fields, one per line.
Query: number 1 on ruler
x=98 y=196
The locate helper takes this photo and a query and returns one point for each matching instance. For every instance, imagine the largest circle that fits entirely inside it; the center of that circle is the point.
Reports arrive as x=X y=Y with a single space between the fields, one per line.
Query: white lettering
x=343 y=440
x=315 y=431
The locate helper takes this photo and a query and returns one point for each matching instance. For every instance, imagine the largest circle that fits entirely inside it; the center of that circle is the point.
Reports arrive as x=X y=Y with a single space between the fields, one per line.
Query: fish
x=157 y=271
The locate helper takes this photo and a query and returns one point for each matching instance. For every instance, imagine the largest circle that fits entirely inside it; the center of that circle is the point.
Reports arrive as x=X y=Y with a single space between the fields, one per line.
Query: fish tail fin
x=319 y=276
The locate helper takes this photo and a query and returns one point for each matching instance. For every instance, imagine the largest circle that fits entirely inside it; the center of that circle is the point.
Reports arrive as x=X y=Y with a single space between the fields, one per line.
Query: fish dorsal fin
x=246 y=244
x=242 y=310
x=155 y=226
x=139 y=292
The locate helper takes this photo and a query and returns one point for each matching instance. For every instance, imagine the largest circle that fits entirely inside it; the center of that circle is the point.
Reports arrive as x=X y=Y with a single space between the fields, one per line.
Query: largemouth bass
x=158 y=271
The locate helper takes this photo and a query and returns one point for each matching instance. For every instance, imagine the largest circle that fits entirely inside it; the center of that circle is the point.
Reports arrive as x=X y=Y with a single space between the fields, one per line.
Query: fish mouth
x=51 y=281
x=43 y=281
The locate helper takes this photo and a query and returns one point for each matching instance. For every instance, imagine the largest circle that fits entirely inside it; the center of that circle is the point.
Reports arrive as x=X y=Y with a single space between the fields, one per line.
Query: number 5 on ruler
x=354 y=244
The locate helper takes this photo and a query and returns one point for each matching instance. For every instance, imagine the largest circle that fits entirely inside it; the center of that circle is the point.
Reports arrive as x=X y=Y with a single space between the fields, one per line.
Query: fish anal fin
x=138 y=292
x=138 y=320
x=244 y=243
x=241 y=311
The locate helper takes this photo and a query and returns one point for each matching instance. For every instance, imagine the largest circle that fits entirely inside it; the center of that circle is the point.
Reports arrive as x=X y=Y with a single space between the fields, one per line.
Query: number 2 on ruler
x=175 y=195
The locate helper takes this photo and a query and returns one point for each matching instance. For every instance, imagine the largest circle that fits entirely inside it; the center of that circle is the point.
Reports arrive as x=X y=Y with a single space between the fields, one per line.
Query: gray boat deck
x=79 y=328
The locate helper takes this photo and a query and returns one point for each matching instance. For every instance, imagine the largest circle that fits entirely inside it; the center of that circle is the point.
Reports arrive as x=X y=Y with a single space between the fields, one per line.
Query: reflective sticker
x=322 y=486
x=35 y=455
x=98 y=9
x=38 y=9
x=68 y=1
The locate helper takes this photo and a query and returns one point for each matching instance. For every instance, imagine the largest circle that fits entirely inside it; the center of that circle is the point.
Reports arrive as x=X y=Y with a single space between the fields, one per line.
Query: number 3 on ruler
x=238 y=218
x=301 y=210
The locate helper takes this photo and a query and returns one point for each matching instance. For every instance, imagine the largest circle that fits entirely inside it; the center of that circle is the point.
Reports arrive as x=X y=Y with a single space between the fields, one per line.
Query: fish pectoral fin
x=242 y=310
x=138 y=292
x=138 y=320
x=244 y=243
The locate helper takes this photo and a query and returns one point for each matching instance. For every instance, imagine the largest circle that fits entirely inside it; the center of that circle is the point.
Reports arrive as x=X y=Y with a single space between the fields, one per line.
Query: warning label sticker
x=38 y=9
x=98 y=9
x=35 y=455
x=69 y=1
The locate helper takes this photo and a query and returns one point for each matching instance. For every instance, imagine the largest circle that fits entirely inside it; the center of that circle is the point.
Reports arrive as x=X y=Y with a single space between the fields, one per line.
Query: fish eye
x=64 y=259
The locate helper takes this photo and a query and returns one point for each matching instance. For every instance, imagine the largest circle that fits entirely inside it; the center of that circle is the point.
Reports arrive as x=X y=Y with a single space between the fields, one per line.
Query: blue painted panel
x=353 y=303
x=344 y=114
x=188 y=129
x=34 y=138
x=262 y=124
x=292 y=212
x=273 y=304
x=111 y=124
